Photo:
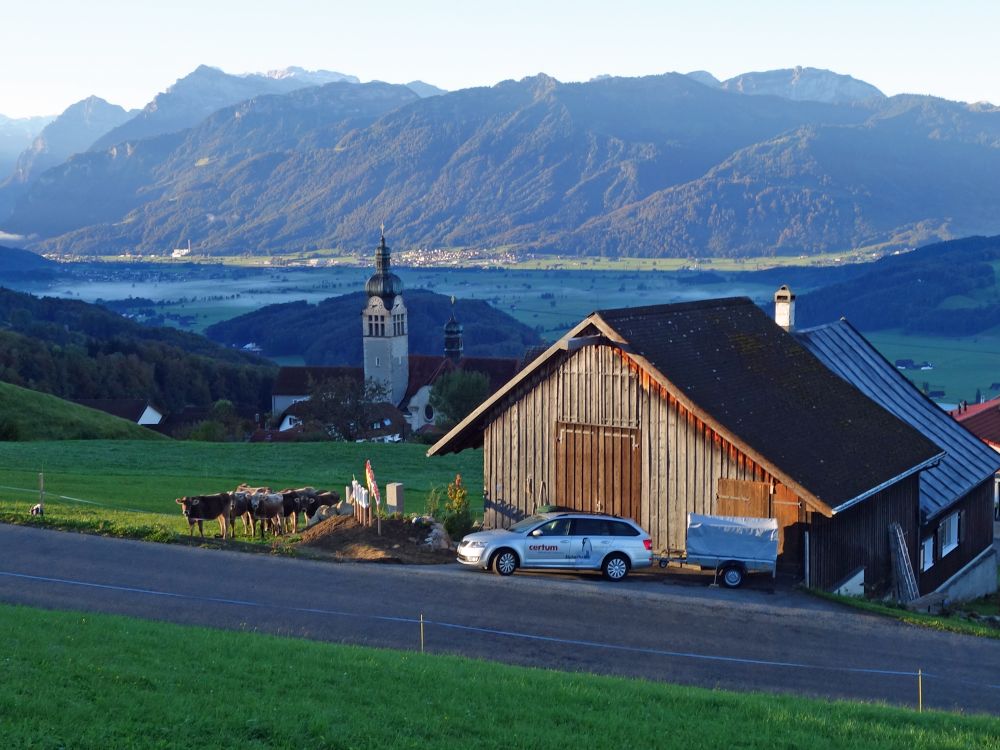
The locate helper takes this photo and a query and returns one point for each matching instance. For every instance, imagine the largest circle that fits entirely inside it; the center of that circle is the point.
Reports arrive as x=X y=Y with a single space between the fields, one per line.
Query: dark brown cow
x=302 y=500
x=201 y=508
x=240 y=508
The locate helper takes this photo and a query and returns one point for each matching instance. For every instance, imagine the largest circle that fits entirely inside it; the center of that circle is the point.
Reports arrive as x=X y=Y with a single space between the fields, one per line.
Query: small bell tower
x=453 y=336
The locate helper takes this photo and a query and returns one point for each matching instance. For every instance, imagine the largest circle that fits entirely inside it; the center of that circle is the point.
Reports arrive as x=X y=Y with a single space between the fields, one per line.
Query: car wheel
x=615 y=567
x=505 y=562
x=732 y=576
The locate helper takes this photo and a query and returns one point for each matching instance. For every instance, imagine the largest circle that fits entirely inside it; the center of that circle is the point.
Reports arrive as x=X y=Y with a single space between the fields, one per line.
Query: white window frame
x=927 y=553
x=948 y=534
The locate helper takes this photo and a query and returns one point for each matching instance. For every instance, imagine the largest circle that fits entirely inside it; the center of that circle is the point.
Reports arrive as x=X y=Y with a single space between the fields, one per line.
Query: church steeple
x=383 y=283
x=384 y=327
x=453 y=336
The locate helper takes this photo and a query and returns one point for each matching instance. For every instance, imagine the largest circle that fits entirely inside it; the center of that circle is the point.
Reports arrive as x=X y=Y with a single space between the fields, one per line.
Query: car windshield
x=526 y=523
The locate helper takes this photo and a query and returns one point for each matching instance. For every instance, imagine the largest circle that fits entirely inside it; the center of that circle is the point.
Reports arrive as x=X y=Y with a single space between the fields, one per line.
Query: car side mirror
x=536 y=532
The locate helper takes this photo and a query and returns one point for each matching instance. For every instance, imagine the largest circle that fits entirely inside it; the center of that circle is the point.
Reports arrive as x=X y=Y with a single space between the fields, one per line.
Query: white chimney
x=784 y=308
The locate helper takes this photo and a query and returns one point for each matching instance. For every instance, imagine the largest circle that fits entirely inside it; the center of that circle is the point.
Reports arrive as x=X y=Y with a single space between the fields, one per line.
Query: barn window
x=948 y=534
x=596 y=388
x=927 y=553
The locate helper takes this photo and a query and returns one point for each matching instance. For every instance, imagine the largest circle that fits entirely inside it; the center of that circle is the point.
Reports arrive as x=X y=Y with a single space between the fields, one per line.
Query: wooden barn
x=706 y=407
x=955 y=543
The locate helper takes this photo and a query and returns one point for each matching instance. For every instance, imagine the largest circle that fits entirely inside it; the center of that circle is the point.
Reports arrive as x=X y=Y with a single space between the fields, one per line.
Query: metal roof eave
x=889 y=482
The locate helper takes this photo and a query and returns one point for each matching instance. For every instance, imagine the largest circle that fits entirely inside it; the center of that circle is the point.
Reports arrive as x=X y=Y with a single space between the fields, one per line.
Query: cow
x=266 y=506
x=301 y=500
x=201 y=508
x=240 y=508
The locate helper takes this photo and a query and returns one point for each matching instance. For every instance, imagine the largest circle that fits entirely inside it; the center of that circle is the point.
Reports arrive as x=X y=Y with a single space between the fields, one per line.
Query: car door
x=590 y=543
x=549 y=545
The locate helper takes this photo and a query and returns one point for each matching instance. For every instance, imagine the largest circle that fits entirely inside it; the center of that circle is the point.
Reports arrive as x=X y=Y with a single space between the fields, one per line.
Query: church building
x=387 y=360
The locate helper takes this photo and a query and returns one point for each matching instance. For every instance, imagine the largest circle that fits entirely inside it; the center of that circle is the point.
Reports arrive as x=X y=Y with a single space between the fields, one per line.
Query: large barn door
x=738 y=497
x=598 y=469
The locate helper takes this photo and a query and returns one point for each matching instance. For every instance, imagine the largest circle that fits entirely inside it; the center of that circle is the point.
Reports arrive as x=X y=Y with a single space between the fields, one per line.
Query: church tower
x=384 y=328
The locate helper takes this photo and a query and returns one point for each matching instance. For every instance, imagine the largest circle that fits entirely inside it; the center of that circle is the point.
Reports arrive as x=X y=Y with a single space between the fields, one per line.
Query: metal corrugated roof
x=967 y=461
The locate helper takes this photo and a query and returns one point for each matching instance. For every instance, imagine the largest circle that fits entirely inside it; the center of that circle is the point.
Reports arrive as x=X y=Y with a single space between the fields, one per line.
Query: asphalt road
x=747 y=639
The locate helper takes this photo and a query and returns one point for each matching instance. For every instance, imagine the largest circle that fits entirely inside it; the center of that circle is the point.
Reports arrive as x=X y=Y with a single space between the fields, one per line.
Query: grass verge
x=98 y=681
x=952 y=624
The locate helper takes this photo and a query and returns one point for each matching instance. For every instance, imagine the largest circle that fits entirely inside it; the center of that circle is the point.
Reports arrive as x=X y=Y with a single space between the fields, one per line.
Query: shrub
x=433 y=505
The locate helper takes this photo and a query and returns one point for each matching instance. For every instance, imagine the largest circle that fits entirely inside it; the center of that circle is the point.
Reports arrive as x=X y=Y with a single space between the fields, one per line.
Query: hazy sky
x=56 y=52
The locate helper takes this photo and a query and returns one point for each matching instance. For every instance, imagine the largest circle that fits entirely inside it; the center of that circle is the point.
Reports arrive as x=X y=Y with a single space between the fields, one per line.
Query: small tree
x=344 y=406
x=456 y=394
x=458 y=517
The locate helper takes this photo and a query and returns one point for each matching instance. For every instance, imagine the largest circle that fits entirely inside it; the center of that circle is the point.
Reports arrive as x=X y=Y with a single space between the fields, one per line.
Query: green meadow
x=128 y=488
x=97 y=681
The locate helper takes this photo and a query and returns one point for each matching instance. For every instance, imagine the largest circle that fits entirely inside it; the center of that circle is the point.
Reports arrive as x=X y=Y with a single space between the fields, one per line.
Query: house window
x=927 y=553
x=948 y=534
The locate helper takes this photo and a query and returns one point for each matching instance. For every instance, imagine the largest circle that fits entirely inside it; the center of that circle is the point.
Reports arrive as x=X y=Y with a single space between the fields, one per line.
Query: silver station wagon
x=579 y=541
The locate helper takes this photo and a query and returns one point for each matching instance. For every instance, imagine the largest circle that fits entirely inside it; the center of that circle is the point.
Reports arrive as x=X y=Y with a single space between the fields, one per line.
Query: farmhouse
x=705 y=407
x=955 y=536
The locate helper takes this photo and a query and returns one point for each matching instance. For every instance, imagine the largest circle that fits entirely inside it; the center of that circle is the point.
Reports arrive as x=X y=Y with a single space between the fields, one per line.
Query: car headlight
x=473 y=545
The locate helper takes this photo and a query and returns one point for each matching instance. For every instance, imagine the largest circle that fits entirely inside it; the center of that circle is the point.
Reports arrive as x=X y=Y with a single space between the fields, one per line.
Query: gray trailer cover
x=732 y=538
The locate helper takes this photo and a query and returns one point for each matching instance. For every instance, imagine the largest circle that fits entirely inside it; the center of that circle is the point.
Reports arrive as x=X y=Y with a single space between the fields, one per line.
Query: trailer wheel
x=732 y=576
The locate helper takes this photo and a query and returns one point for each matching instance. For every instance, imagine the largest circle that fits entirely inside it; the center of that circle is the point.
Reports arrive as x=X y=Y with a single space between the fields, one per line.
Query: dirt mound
x=343 y=538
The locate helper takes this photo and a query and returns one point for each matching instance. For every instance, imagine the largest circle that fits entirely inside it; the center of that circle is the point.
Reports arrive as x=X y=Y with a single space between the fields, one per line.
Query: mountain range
x=16 y=134
x=791 y=162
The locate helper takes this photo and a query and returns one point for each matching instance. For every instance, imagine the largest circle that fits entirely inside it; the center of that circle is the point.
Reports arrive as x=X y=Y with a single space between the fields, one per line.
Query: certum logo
x=543 y=547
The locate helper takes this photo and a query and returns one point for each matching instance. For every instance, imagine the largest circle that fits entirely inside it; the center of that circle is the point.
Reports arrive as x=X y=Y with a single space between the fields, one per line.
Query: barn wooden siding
x=581 y=430
x=975 y=533
x=859 y=537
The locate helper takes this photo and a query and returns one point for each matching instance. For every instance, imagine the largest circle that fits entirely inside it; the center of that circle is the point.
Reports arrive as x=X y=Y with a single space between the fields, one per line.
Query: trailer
x=733 y=546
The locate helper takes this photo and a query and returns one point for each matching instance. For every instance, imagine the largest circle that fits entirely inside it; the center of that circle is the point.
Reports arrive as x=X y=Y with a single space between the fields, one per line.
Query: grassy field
x=128 y=488
x=97 y=681
x=961 y=365
x=30 y=415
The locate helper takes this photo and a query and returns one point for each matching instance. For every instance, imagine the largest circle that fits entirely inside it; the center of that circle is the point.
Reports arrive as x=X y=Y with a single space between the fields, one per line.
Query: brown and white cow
x=266 y=507
x=200 y=508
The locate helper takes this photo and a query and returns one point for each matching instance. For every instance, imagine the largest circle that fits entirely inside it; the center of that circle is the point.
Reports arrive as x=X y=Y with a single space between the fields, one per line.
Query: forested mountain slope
x=329 y=333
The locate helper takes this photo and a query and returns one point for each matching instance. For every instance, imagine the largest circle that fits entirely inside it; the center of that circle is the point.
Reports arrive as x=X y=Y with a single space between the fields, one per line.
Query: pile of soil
x=343 y=538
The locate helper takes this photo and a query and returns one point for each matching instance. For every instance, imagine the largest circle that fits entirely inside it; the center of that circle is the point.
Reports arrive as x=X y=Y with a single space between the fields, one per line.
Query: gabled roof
x=728 y=363
x=296 y=381
x=982 y=420
x=967 y=461
x=424 y=370
x=126 y=408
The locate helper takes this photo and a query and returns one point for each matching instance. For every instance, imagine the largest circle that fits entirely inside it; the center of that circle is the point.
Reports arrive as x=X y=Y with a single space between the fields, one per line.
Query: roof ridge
x=669 y=307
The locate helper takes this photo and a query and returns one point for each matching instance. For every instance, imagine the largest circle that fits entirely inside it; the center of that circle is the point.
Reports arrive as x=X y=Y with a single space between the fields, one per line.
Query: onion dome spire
x=383 y=283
